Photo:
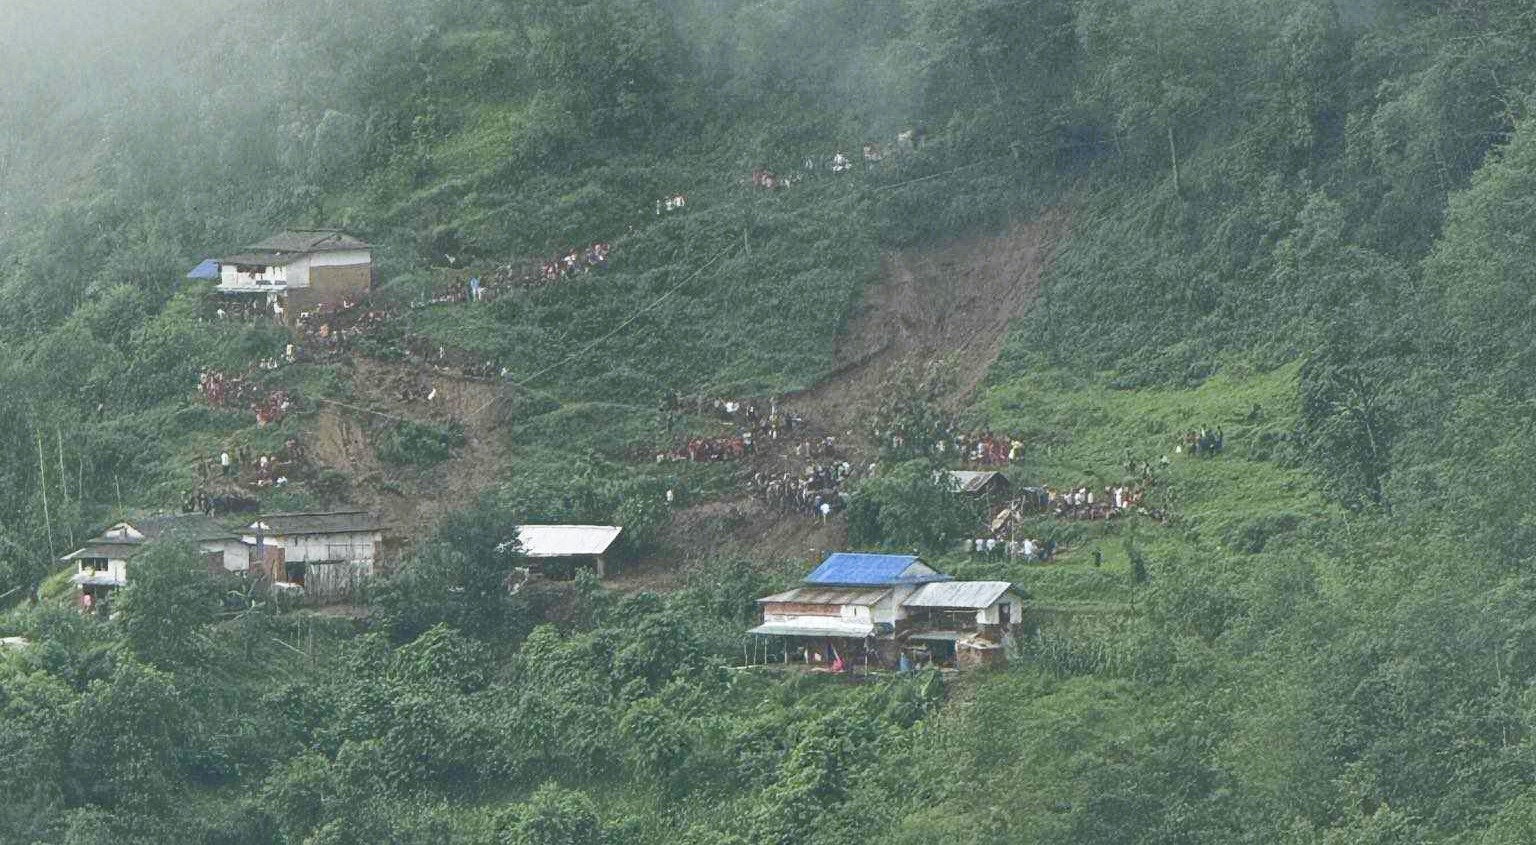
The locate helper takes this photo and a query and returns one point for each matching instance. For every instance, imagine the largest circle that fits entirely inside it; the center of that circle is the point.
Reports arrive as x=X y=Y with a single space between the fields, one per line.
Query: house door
x=273 y=559
x=1005 y=615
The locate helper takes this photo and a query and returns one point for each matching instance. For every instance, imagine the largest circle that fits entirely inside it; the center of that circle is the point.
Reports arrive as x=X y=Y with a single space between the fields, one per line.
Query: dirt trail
x=413 y=500
x=954 y=303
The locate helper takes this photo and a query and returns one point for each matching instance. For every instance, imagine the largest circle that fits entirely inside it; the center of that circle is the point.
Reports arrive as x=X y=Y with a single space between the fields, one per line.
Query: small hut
x=559 y=550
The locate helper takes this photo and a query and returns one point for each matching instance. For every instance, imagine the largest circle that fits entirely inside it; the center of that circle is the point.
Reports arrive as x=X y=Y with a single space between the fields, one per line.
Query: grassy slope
x=1082 y=431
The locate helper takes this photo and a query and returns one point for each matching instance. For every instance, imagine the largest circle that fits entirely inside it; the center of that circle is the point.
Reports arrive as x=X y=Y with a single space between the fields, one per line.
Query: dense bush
x=418 y=444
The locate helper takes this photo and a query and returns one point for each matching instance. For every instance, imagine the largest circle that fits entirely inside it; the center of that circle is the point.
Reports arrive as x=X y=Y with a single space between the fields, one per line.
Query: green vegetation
x=1305 y=224
x=421 y=445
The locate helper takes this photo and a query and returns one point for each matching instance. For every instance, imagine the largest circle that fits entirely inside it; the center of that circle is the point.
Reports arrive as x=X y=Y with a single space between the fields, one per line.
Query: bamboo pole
x=42 y=484
x=1173 y=152
x=63 y=473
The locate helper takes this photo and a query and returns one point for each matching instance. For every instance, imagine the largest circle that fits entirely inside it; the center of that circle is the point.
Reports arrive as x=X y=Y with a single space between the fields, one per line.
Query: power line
x=525 y=383
x=363 y=410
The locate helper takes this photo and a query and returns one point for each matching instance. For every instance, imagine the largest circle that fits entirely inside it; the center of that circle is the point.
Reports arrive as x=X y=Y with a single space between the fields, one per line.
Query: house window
x=93 y=564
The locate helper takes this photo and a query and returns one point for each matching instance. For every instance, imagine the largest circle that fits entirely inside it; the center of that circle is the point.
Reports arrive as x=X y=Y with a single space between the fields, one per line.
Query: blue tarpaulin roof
x=209 y=269
x=858 y=570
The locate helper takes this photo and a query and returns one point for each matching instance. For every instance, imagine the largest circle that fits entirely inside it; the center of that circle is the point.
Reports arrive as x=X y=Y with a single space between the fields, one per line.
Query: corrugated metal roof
x=824 y=595
x=308 y=240
x=263 y=259
x=566 y=540
x=966 y=594
x=856 y=569
x=318 y=522
x=190 y=526
x=116 y=551
x=818 y=628
x=208 y=269
x=970 y=481
x=187 y=526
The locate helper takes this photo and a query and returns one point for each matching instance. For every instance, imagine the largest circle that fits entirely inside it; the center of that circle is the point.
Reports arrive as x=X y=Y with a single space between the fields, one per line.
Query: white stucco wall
x=845 y=613
x=340 y=258
x=992 y=616
x=236 y=559
x=889 y=609
x=231 y=279
x=294 y=275
x=237 y=556
x=116 y=568
x=298 y=273
x=356 y=547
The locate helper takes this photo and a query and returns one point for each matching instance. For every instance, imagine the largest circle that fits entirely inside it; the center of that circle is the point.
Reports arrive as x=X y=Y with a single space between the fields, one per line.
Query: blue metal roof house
x=856 y=569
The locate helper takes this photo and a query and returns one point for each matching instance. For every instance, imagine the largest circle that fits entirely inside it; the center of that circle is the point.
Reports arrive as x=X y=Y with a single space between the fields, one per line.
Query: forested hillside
x=1303 y=225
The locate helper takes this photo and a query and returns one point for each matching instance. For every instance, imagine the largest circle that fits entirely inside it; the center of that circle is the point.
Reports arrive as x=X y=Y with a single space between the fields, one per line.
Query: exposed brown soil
x=952 y=304
x=412 y=499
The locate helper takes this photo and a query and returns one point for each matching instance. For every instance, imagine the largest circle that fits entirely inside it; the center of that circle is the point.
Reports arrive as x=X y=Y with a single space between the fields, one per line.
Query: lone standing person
x=225 y=463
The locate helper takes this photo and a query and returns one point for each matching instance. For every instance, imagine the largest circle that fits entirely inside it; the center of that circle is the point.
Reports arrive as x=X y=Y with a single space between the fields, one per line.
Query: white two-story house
x=102 y=565
x=300 y=268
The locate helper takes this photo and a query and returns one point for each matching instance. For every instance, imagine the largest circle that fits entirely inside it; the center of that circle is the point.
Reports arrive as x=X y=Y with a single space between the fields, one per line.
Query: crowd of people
x=816 y=490
x=242 y=309
x=272 y=408
x=1202 y=443
x=329 y=330
x=985 y=448
x=1028 y=548
x=980 y=448
x=764 y=420
x=1086 y=503
x=221 y=390
x=529 y=274
x=699 y=449
x=594 y=257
